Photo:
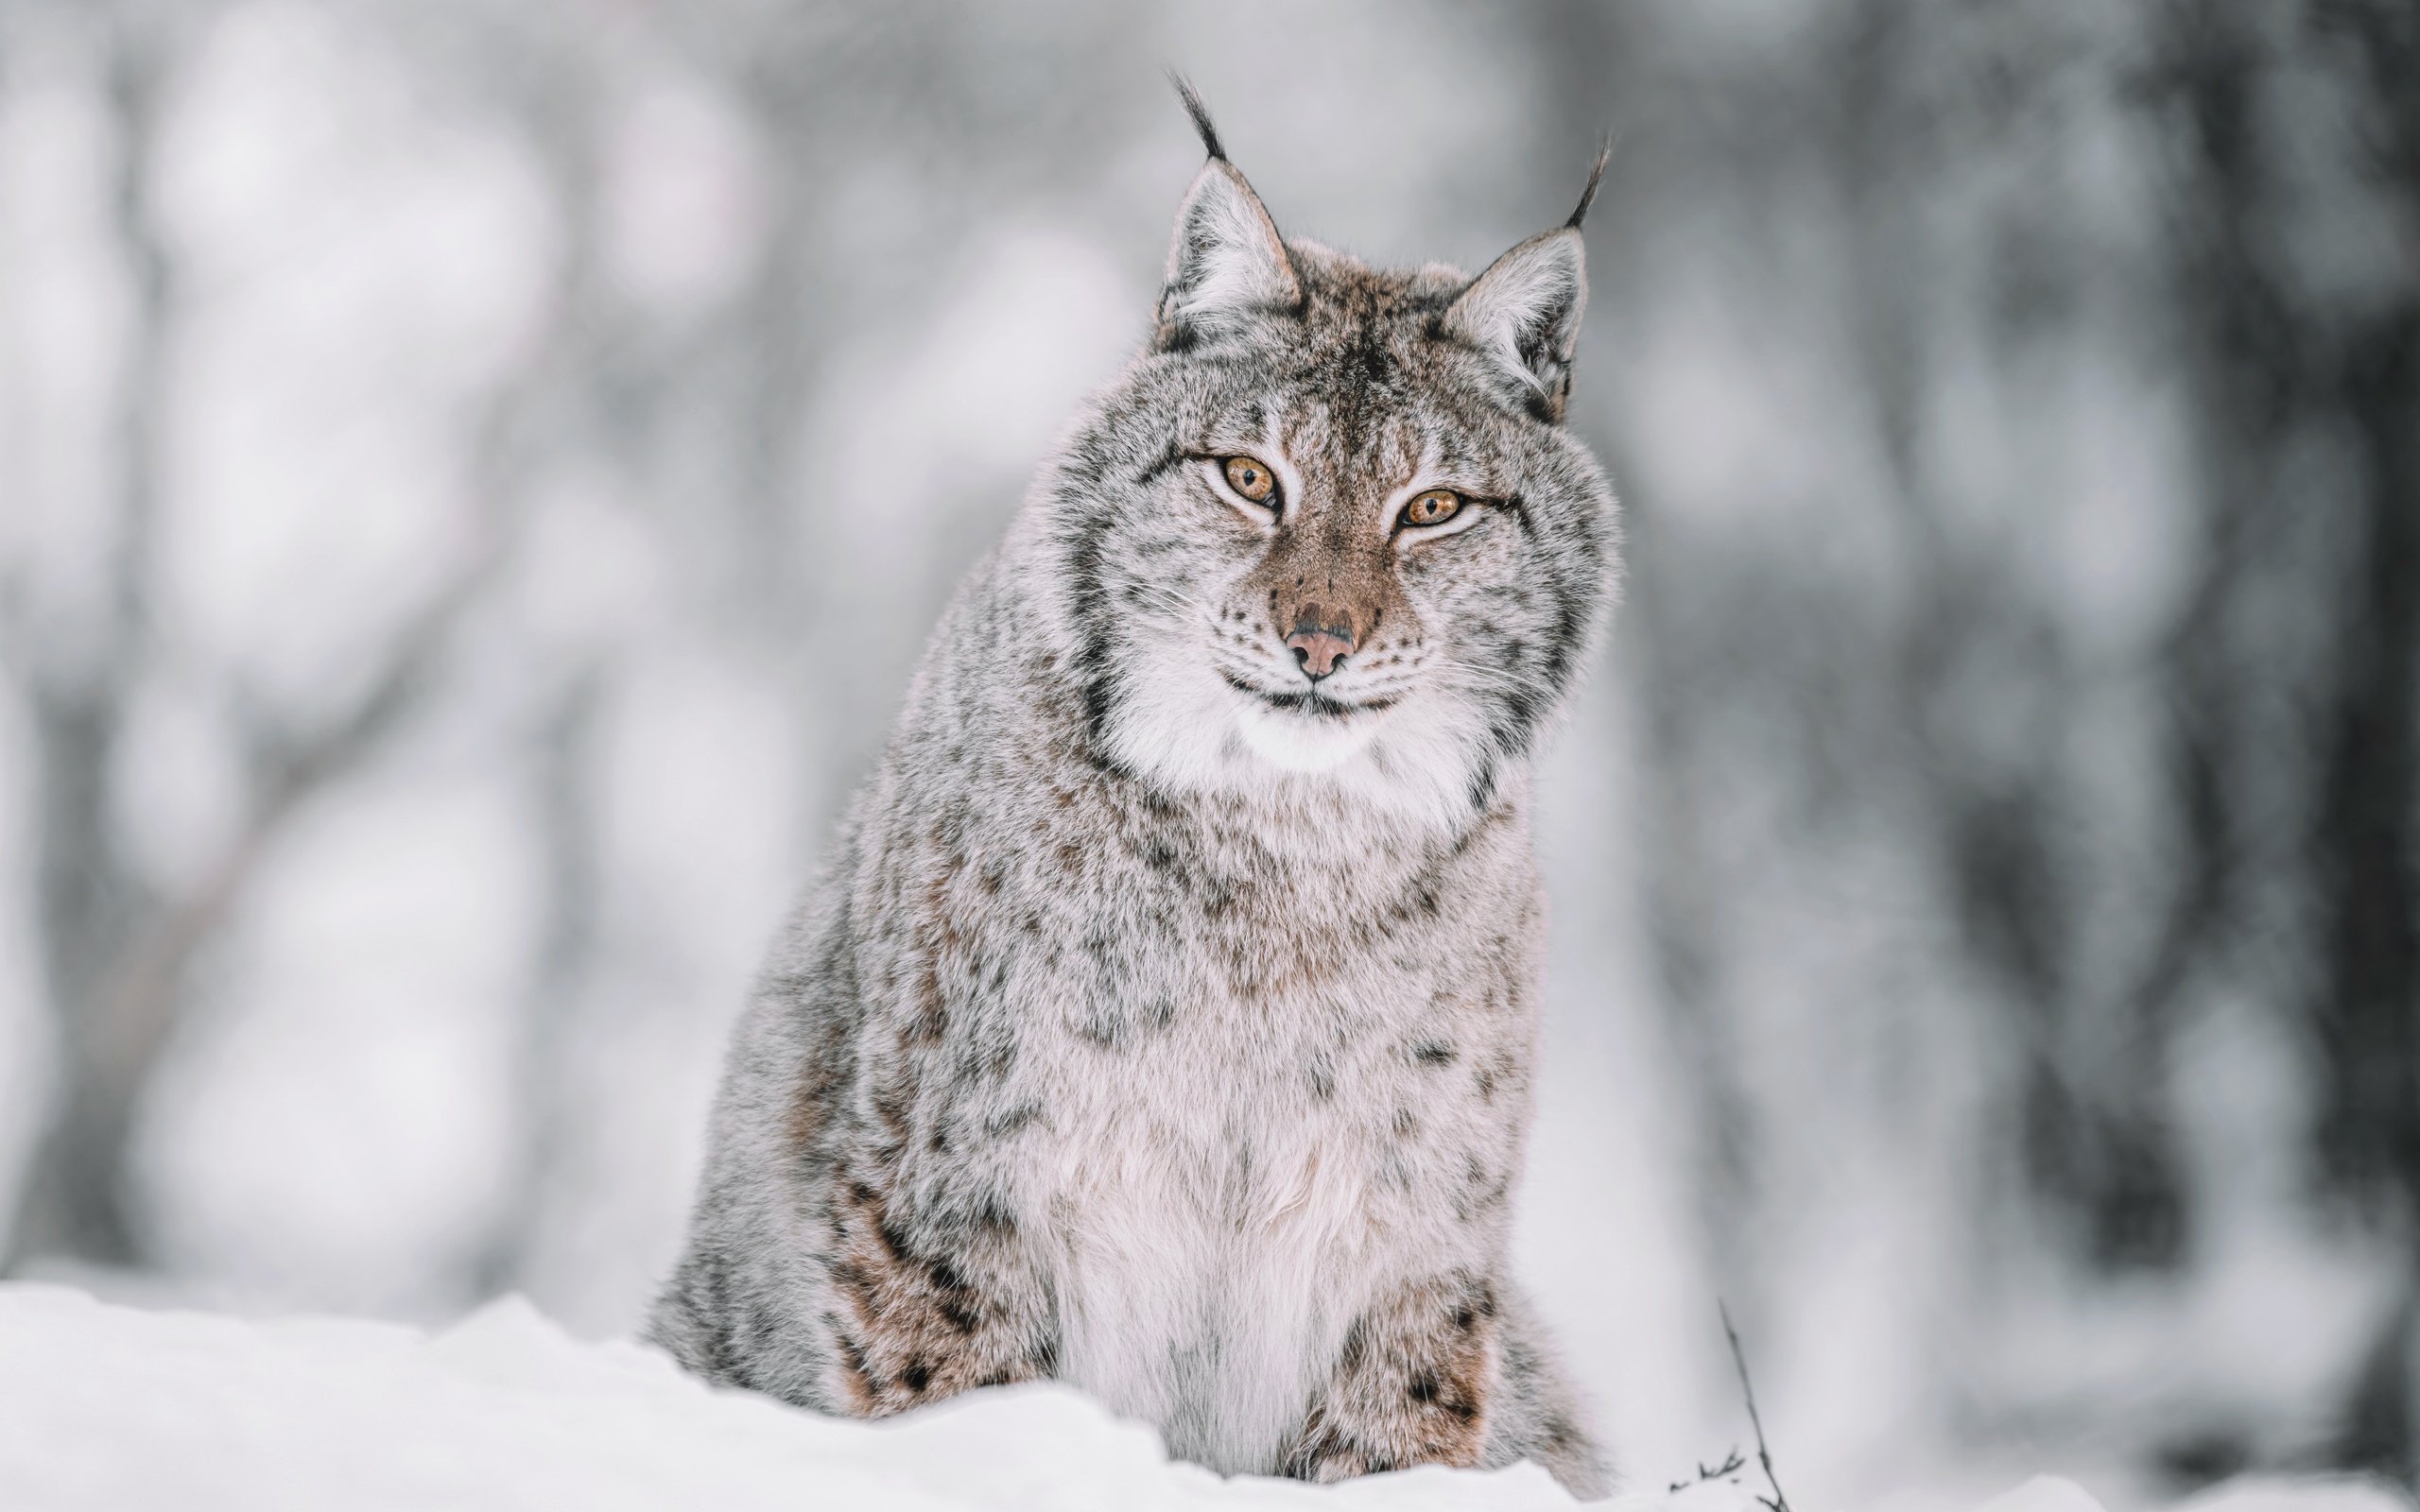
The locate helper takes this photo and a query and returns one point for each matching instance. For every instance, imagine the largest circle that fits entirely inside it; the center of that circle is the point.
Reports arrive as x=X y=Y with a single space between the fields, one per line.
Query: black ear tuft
x=1200 y=114
x=1595 y=177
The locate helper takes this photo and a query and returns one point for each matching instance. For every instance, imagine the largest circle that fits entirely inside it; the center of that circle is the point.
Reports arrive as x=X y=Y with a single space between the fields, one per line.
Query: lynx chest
x=1232 y=1183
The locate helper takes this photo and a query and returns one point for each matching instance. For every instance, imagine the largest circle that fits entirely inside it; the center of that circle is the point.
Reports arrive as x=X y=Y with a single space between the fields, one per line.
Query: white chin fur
x=1182 y=726
x=1294 y=743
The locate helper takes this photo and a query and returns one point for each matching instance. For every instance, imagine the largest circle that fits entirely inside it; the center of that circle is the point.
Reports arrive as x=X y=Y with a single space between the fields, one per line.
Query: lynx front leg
x=925 y=1309
x=1412 y=1386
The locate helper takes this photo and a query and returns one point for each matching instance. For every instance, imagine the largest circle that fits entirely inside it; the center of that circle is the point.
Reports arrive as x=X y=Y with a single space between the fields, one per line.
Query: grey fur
x=1165 y=1022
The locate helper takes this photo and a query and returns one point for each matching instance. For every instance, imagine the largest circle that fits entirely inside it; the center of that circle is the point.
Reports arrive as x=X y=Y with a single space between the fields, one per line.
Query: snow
x=107 y=1406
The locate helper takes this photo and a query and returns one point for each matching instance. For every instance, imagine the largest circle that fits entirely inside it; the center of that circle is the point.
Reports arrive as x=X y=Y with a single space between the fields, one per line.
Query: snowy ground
x=106 y=1406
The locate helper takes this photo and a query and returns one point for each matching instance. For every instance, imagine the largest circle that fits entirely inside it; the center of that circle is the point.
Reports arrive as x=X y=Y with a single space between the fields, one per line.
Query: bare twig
x=1779 y=1502
x=1731 y=1466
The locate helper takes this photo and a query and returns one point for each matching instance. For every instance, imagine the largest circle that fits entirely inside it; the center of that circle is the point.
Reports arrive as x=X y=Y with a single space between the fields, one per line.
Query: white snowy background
x=475 y=473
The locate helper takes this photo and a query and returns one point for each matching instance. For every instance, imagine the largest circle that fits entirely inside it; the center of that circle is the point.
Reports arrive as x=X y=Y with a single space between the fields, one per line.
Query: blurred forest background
x=473 y=475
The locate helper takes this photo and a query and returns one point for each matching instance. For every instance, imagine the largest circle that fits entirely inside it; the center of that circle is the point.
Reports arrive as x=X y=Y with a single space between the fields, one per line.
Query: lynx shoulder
x=1166 y=1020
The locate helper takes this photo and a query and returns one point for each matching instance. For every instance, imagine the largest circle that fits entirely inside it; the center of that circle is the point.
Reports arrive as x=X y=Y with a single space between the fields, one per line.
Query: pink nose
x=1321 y=641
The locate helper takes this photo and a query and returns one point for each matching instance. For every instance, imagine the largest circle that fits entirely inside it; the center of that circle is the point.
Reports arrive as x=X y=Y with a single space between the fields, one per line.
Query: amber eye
x=1433 y=507
x=1251 y=479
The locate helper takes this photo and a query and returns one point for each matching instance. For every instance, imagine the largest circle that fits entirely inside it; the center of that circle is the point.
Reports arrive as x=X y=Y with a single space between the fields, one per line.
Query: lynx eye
x=1433 y=507
x=1248 y=477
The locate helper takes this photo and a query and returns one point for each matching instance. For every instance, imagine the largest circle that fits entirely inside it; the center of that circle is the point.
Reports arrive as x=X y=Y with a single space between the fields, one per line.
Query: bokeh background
x=475 y=473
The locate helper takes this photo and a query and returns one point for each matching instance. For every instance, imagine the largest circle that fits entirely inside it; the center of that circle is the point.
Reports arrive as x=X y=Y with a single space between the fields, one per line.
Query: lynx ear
x=1524 y=313
x=1227 y=261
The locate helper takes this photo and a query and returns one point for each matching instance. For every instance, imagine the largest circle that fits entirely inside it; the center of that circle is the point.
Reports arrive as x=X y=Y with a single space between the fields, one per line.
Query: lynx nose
x=1323 y=638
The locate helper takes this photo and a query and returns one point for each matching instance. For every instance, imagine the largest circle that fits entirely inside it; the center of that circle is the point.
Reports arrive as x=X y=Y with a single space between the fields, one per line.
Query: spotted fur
x=1165 y=1021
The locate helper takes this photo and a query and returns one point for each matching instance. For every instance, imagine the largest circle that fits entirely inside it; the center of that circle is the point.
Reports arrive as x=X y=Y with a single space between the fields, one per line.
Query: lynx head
x=1328 y=528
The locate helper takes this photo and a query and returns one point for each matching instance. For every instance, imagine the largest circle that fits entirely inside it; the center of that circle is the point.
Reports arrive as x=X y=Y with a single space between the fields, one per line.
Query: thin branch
x=1778 y=1501
x=138 y=1004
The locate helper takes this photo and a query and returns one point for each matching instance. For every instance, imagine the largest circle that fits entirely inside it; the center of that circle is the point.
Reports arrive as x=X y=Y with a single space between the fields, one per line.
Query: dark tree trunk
x=2277 y=362
x=2365 y=853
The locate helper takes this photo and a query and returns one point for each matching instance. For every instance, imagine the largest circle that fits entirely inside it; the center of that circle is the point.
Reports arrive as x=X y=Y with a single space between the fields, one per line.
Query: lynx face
x=1329 y=527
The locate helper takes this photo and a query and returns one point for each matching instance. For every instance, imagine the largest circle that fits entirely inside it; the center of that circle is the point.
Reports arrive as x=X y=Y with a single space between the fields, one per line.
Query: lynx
x=1165 y=1022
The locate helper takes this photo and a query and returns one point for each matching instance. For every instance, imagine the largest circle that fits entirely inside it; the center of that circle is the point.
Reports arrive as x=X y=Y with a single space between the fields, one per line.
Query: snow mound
x=104 y=1406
